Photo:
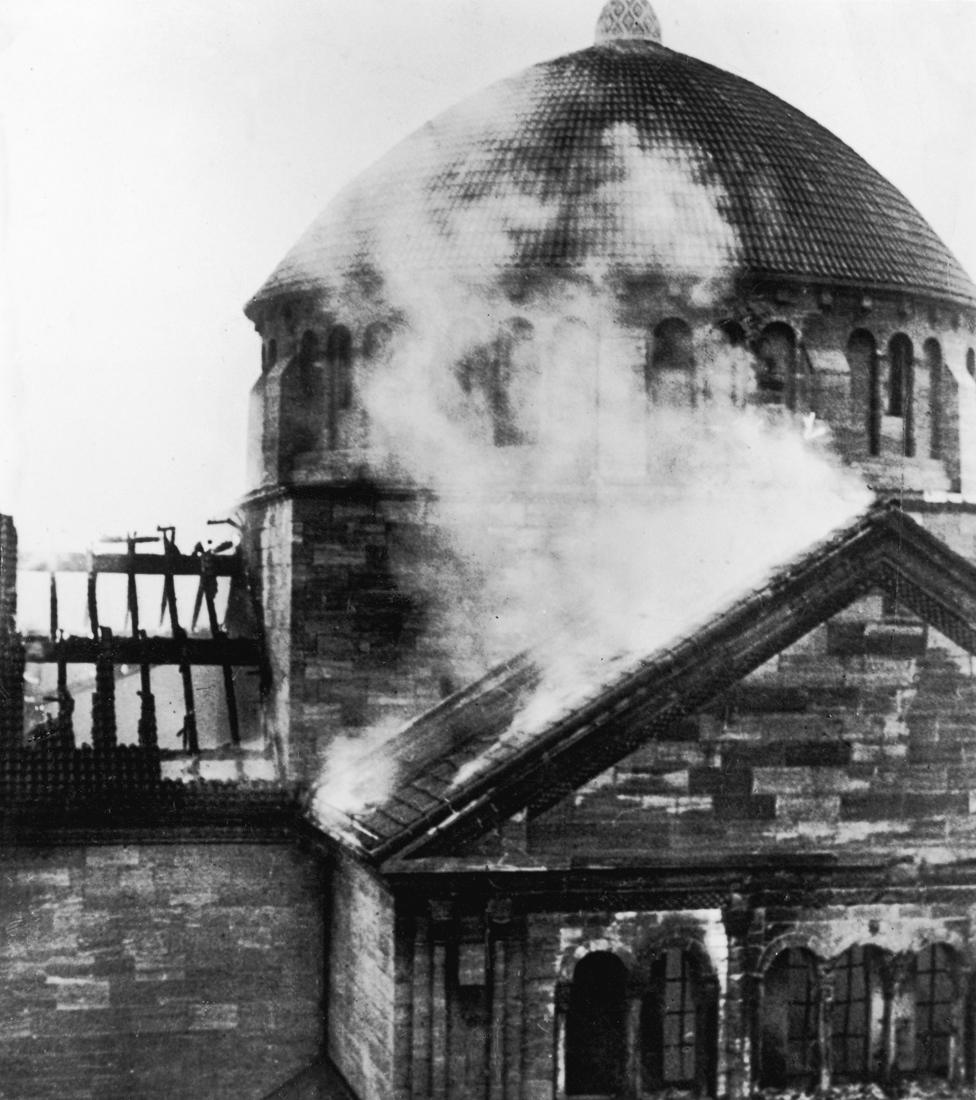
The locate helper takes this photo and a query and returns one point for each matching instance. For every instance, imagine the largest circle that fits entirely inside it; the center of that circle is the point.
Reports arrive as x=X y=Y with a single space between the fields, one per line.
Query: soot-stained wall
x=158 y=971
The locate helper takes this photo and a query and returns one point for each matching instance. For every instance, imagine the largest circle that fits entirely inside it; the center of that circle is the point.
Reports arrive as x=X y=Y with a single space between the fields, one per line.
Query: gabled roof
x=458 y=771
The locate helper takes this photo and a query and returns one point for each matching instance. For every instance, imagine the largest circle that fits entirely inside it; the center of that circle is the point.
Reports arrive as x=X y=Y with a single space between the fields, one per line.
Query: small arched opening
x=338 y=359
x=901 y=388
x=776 y=374
x=300 y=404
x=932 y=352
x=669 y=365
x=513 y=381
x=862 y=359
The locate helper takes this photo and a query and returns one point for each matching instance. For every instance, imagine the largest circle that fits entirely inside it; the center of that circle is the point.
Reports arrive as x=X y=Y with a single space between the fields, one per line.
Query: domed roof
x=624 y=158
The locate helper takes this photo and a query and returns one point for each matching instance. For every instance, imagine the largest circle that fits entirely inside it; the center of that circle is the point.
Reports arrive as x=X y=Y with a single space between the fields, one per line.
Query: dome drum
x=798 y=349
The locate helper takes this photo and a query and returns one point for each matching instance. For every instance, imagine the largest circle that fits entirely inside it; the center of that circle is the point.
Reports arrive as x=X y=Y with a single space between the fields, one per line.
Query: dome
x=625 y=158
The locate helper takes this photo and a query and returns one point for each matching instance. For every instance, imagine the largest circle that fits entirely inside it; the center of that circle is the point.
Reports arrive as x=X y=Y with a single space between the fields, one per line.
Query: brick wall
x=361 y=980
x=158 y=970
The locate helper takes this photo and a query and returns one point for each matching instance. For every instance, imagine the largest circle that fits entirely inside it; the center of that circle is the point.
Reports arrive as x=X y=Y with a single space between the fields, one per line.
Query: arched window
x=789 y=1024
x=669 y=365
x=901 y=386
x=596 y=1042
x=376 y=341
x=934 y=1010
x=857 y=1014
x=862 y=358
x=338 y=357
x=933 y=366
x=672 y=347
x=971 y=362
x=677 y=1025
x=300 y=404
x=776 y=376
x=513 y=374
x=733 y=332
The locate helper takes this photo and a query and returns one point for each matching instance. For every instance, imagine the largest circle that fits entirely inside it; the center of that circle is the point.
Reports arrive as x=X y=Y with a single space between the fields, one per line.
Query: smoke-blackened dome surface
x=624 y=158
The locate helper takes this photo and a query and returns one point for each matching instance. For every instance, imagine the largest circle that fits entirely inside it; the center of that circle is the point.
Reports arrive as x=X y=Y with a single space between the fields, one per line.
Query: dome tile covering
x=624 y=158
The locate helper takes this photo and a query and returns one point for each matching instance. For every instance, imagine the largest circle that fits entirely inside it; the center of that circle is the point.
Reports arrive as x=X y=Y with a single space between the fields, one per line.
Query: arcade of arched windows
x=902 y=402
x=864 y=1016
x=906 y=403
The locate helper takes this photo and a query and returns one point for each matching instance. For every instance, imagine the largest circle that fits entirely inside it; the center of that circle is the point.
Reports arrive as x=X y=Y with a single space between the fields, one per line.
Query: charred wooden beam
x=143 y=650
x=157 y=565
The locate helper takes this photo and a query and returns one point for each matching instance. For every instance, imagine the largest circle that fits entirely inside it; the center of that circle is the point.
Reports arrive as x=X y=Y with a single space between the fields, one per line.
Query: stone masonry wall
x=361 y=981
x=158 y=971
x=857 y=739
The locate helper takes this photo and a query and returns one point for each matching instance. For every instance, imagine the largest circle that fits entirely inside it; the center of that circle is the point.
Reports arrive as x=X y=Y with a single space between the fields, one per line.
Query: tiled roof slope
x=629 y=158
x=458 y=770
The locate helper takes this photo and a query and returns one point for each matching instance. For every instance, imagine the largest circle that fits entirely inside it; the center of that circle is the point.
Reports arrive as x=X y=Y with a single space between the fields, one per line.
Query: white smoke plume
x=621 y=522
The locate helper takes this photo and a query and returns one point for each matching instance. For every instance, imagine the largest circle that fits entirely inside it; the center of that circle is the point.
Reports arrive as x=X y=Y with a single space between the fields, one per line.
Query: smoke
x=568 y=502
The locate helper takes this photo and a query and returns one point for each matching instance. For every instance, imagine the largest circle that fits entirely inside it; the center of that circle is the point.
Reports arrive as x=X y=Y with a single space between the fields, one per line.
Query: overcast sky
x=160 y=156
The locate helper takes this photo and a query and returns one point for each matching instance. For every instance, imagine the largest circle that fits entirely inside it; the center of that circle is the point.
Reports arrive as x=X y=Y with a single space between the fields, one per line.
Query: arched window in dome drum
x=596 y=1042
x=935 y=999
x=857 y=1015
x=377 y=340
x=901 y=388
x=862 y=358
x=934 y=368
x=971 y=362
x=300 y=404
x=776 y=376
x=513 y=383
x=733 y=332
x=669 y=366
x=789 y=1026
x=338 y=357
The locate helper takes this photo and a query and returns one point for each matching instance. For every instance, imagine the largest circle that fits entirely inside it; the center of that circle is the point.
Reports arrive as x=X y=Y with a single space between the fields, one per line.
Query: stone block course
x=127 y=965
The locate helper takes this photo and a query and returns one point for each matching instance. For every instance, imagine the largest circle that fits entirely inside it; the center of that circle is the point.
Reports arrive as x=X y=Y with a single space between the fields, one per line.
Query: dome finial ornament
x=628 y=20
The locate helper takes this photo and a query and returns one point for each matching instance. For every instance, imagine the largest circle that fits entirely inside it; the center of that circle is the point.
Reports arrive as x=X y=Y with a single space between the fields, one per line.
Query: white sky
x=160 y=156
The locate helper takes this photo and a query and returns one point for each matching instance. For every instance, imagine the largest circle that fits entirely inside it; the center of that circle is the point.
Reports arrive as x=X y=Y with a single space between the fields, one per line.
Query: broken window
x=596 y=1026
x=789 y=1026
x=934 y=1002
x=856 y=1015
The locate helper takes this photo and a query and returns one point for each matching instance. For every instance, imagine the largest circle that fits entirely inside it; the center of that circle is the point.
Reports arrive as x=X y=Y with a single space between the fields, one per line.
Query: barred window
x=934 y=1000
x=789 y=1025
x=857 y=1013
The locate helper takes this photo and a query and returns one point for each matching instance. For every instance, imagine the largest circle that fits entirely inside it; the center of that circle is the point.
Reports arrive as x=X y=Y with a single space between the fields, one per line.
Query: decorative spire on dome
x=627 y=19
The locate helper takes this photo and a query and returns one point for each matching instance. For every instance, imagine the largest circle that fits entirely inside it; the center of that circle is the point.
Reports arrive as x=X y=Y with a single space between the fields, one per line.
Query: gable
x=859 y=737
x=469 y=765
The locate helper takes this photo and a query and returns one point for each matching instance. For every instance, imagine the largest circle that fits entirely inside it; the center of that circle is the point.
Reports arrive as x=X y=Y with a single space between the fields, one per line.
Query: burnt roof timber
x=154 y=651
x=883 y=549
